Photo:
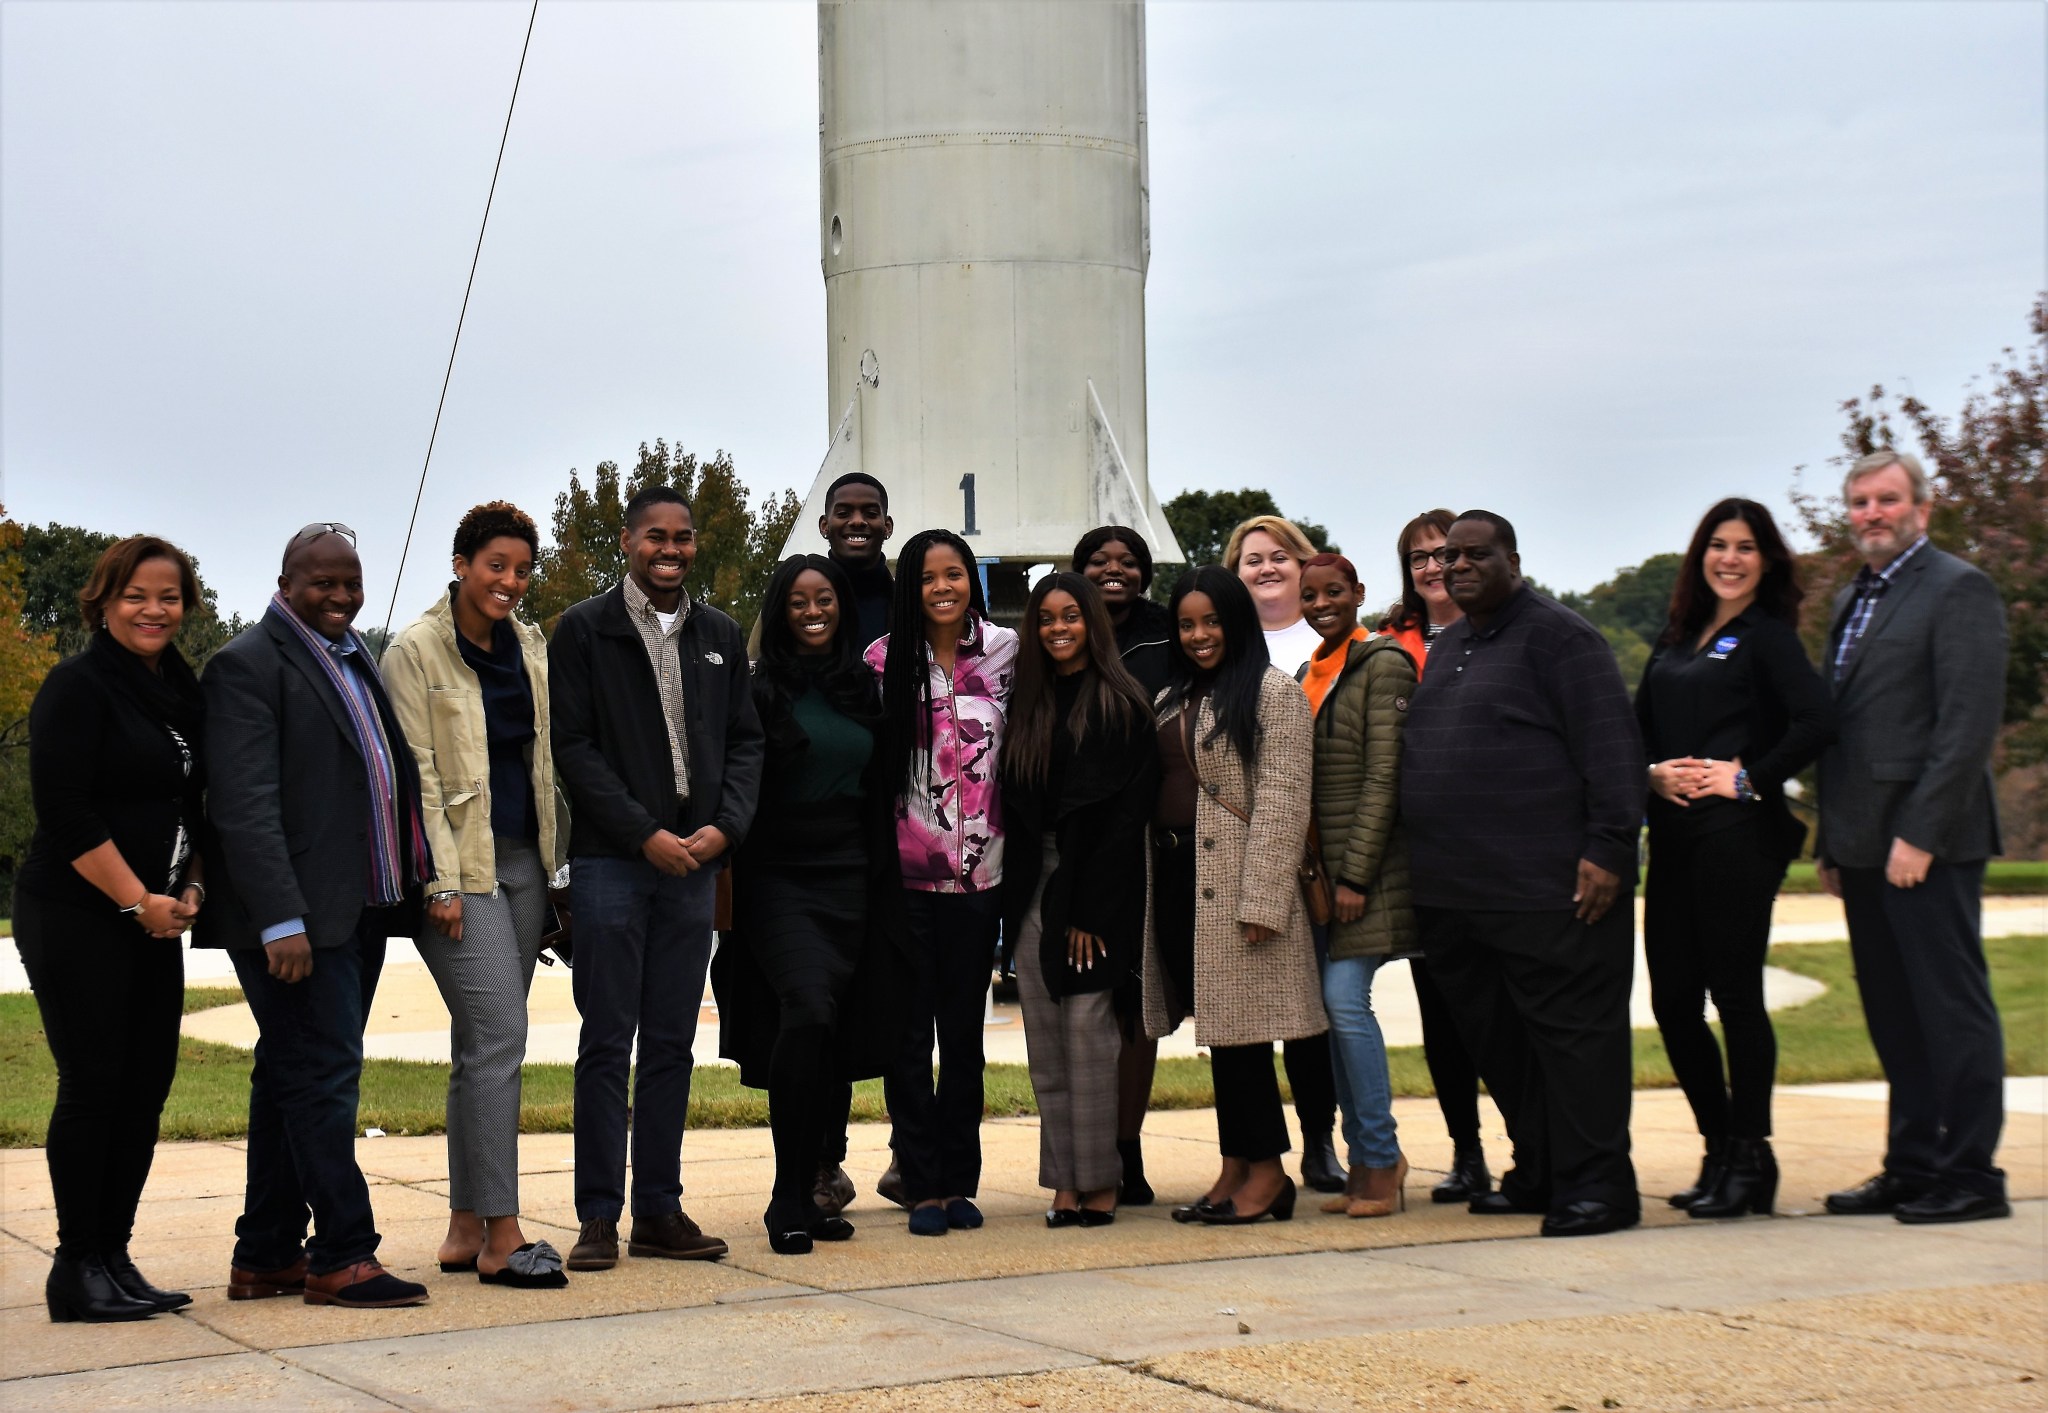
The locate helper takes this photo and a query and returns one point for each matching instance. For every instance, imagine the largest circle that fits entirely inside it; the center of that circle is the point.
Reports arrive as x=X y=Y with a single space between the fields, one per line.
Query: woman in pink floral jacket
x=945 y=673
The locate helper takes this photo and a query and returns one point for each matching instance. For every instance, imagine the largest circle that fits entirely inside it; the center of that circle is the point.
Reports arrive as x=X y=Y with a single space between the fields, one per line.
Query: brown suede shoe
x=1385 y=1191
x=262 y=1285
x=673 y=1236
x=1354 y=1187
x=597 y=1246
x=364 y=1286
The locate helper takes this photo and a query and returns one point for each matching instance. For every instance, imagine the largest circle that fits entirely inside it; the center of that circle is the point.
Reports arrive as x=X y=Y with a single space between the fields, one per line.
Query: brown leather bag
x=1317 y=896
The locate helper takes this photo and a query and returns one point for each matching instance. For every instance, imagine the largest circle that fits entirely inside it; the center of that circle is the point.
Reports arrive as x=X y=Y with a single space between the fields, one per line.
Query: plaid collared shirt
x=1870 y=587
x=665 y=656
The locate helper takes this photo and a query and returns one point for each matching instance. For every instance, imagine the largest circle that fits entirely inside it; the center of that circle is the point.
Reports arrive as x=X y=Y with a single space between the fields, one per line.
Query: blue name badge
x=1723 y=647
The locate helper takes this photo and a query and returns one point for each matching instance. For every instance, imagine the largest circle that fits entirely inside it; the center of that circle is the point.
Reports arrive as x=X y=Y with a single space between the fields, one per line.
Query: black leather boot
x=137 y=1287
x=79 y=1288
x=1467 y=1179
x=1747 y=1182
x=1710 y=1172
x=1319 y=1166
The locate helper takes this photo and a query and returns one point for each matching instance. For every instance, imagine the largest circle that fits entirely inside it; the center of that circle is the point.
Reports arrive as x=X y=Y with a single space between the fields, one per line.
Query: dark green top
x=831 y=768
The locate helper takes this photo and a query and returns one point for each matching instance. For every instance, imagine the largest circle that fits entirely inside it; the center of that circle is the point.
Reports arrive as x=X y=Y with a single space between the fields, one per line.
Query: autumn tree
x=27 y=653
x=736 y=541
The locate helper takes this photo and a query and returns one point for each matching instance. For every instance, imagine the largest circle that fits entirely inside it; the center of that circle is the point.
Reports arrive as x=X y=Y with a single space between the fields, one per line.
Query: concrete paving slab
x=461 y=1302
x=1719 y=1266
x=2005 y=1325
x=225 y=1381
x=1672 y=1360
x=1085 y=1389
x=31 y=1346
x=1124 y=1315
x=771 y=1349
x=22 y=1270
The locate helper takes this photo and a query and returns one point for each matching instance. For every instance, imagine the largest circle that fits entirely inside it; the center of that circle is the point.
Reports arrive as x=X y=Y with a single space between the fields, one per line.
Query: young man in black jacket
x=658 y=746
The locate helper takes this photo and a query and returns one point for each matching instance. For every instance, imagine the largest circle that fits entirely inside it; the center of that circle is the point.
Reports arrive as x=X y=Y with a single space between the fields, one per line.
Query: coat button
x=1208 y=892
x=1208 y=843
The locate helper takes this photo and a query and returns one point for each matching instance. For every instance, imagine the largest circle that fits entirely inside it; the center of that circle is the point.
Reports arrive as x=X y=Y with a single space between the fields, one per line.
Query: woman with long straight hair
x=1730 y=709
x=1267 y=553
x=1424 y=610
x=111 y=880
x=1079 y=773
x=1228 y=936
x=1117 y=560
x=945 y=671
x=803 y=881
x=469 y=683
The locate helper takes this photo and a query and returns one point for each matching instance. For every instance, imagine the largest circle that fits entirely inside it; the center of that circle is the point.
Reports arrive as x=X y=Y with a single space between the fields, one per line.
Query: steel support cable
x=449 y=373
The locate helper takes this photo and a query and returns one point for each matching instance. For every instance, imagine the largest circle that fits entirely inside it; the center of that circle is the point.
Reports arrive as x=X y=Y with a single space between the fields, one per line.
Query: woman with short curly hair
x=469 y=682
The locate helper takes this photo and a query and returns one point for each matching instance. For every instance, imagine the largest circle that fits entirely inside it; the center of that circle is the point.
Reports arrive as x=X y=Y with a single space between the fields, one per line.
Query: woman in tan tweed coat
x=1226 y=937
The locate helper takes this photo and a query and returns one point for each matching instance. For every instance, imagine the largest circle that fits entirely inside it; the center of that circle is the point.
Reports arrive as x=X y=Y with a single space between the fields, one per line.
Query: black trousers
x=110 y=997
x=952 y=952
x=1310 y=1071
x=1249 y=1121
x=1706 y=930
x=1542 y=1000
x=1451 y=1071
x=1919 y=956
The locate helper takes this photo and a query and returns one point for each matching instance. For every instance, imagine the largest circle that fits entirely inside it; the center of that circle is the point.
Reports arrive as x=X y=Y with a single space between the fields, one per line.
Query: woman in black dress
x=1730 y=709
x=111 y=881
x=803 y=881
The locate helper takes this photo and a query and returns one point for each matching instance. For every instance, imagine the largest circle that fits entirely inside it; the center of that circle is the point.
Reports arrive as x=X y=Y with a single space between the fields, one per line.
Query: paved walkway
x=1429 y=1309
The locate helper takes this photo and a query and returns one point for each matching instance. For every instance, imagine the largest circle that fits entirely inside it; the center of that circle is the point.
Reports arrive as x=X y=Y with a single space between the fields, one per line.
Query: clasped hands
x=1684 y=779
x=165 y=916
x=673 y=854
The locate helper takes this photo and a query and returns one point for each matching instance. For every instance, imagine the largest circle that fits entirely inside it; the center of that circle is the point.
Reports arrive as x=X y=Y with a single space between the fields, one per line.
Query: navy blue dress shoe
x=1883 y=1193
x=1952 y=1204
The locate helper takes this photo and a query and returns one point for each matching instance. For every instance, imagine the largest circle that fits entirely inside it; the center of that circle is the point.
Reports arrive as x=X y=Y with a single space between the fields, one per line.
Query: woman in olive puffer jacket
x=1359 y=688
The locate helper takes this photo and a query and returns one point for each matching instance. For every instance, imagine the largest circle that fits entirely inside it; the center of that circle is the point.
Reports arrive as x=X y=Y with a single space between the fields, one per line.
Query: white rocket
x=984 y=230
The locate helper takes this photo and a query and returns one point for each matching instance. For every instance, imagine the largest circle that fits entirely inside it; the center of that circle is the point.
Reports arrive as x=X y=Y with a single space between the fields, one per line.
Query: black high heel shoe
x=1280 y=1209
x=1056 y=1217
x=1192 y=1211
x=1711 y=1168
x=136 y=1286
x=79 y=1288
x=1747 y=1182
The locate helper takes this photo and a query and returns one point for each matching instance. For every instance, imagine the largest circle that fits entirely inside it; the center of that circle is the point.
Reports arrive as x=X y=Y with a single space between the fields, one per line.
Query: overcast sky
x=1589 y=265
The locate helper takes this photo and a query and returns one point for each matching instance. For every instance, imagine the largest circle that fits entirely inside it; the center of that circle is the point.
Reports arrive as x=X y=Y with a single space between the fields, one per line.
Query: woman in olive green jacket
x=1359 y=688
x=469 y=683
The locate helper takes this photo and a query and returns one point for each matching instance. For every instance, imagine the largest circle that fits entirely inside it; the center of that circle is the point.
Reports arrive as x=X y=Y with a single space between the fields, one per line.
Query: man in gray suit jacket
x=1907 y=818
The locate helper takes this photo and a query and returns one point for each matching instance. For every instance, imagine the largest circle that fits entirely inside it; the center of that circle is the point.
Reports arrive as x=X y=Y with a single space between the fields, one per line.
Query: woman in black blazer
x=111 y=881
x=1730 y=710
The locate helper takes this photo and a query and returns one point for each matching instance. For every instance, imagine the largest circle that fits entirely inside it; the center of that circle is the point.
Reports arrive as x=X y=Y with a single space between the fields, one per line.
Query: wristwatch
x=444 y=897
x=134 y=909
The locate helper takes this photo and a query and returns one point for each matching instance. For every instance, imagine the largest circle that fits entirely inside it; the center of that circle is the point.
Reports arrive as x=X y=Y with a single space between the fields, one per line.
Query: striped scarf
x=388 y=875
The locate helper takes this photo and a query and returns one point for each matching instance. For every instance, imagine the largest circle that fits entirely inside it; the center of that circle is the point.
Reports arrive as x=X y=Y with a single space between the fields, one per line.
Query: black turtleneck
x=873 y=588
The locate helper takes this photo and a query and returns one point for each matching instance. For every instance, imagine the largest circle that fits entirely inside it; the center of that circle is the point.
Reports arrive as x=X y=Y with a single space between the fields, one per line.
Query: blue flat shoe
x=928 y=1221
x=963 y=1214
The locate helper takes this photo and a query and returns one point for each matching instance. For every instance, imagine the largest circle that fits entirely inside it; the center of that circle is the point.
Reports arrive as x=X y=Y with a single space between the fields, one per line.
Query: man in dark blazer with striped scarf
x=318 y=855
x=1908 y=817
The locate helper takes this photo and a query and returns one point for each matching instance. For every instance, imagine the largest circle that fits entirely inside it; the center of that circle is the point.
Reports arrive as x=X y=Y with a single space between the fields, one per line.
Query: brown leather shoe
x=597 y=1246
x=1354 y=1188
x=262 y=1285
x=673 y=1236
x=1385 y=1191
x=364 y=1286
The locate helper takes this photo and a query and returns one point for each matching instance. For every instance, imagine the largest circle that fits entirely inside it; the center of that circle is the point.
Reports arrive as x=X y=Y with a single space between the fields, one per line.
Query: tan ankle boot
x=1354 y=1188
x=1383 y=1191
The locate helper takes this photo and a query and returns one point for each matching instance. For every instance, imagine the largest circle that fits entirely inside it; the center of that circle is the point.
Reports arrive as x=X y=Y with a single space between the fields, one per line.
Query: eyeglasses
x=1420 y=559
x=1447 y=556
x=324 y=527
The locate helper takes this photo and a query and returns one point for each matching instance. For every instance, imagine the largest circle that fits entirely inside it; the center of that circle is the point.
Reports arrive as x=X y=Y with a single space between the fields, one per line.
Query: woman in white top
x=1267 y=552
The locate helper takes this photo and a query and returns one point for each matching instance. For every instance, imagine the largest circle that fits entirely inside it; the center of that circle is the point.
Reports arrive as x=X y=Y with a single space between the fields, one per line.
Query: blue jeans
x=643 y=943
x=303 y=1091
x=1359 y=1052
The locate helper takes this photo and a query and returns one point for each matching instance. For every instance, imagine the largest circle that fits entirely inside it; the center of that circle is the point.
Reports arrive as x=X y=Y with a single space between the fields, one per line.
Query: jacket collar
x=441 y=615
x=294 y=650
x=1900 y=577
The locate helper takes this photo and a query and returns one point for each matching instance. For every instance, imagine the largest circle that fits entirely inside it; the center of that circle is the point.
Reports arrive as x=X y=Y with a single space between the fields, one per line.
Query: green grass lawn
x=2002 y=878
x=1821 y=1041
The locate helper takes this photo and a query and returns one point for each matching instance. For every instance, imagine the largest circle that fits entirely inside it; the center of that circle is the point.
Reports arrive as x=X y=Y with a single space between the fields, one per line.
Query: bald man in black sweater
x=1522 y=789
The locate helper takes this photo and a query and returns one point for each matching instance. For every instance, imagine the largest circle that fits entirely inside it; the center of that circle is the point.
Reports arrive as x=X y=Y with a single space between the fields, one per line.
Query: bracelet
x=1743 y=789
x=196 y=884
x=134 y=909
x=444 y=897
